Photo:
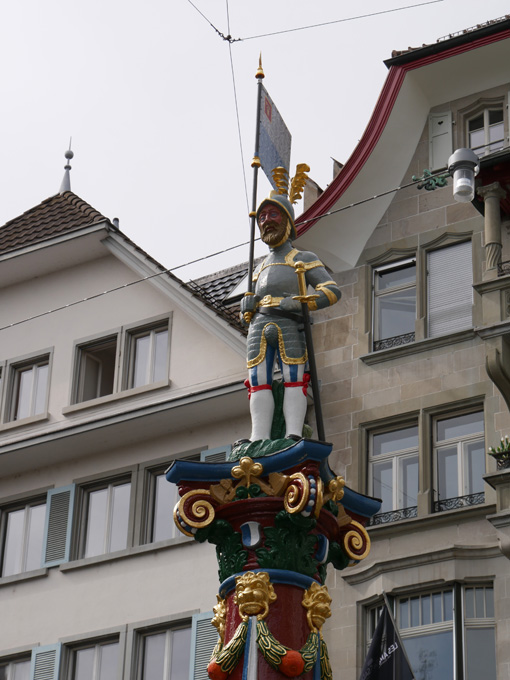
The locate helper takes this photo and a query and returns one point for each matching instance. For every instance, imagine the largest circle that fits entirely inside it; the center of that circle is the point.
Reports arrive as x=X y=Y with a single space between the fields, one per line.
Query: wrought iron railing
x=459 y=502
x=503 y=268
x=396 y=341
x=393 y=516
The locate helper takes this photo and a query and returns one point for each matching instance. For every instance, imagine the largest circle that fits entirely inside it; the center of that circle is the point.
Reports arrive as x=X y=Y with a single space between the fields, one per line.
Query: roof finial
x=260 y=70
x=66 y=182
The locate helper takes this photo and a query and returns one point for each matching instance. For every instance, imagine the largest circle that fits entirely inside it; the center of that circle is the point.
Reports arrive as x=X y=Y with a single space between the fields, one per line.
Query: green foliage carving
x=289 y=545
x=337 y=556
x=252 y=491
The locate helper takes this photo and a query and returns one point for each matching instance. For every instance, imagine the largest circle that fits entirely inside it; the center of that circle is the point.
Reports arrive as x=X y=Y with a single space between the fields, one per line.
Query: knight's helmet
x=281 y=197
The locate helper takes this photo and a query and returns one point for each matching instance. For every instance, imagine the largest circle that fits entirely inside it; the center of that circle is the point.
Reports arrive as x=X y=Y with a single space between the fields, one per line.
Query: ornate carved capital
x=493 y=190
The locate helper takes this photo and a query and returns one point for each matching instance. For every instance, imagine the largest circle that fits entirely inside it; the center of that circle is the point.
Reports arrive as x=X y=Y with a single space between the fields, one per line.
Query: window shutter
x=450 y=289
x=218 y=455
x=204 y=637
x=45 y=662
x=440 y=139
x=57 y=533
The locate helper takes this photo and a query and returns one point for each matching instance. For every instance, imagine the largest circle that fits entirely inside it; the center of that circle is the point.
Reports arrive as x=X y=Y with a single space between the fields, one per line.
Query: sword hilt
x=300 y=272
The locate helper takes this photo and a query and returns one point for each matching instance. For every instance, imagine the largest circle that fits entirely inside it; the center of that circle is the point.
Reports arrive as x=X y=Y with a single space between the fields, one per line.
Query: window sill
x=415 y=347
x=129 y=552
x=24 y=576
x=23 y=422
x=116 y=396
x=432 y=520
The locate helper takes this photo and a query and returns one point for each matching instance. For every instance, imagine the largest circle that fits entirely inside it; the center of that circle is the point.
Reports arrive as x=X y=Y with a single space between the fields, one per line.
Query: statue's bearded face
x=274 y=225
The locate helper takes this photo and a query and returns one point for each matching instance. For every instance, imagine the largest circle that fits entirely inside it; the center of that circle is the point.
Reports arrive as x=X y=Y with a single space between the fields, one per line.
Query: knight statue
x=273 y=312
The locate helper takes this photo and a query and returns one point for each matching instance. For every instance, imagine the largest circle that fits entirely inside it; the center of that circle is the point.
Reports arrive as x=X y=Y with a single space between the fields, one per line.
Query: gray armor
x=275 y=320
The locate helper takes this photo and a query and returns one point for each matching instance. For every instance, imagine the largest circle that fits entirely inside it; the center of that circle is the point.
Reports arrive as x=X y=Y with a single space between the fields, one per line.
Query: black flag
x=386 y=658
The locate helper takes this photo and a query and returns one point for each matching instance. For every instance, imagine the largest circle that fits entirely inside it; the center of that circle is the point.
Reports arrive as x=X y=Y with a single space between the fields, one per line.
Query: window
x=450 y=289
x=125 y=359
x=459 y=451
x=29 y=389
x=164 y=655
x=23 y=537
x=436 y=286
x=394 y=304
x=393 y=458
x=95 y=662
x=162 y=499
x=15 y=670
x=486 y=132
x=447 y=628
x=107 y=518
x=96 y=369
x=148 y=356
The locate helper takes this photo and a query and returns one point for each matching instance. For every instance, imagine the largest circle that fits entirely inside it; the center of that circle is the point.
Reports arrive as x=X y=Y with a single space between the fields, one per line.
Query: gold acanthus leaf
x=298 y=182
x=281 y=179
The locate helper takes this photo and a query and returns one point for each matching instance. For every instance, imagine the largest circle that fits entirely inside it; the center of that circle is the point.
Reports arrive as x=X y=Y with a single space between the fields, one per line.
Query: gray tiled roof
x=58 y=214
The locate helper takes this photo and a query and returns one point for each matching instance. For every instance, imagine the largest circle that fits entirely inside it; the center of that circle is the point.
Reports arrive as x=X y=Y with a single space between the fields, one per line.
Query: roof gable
x=339 y=223
x=56 y=215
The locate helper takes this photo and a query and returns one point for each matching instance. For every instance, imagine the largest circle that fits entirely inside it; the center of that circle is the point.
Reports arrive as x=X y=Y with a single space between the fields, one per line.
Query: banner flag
x=274 y=137
x=386 y=658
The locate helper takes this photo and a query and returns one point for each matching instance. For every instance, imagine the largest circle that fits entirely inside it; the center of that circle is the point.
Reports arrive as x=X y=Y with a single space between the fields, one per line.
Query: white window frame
x=139 y=631
x=82 y=353
x=101 y=483
x=150 y=331
x=13 y=370
x=125 y=338
x=97 y=646
x=146 y=506
x=396 y=457
x=484 y=149
x=460 y=444
x=9 y=663
x=378 y=295
x=5 y=511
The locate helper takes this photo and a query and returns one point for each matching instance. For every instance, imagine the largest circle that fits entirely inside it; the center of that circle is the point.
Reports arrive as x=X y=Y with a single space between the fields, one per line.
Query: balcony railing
x=393 y=516
x=459 y=502
x=396 y=341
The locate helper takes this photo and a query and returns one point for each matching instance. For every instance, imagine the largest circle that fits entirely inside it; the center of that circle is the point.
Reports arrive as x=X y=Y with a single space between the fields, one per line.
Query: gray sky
x=146 y=92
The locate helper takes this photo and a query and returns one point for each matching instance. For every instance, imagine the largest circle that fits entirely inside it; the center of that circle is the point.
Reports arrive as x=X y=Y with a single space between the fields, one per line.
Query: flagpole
x=255 y=164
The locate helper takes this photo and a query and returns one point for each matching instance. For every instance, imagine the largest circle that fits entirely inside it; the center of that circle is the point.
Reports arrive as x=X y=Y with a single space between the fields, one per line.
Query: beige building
x=98 y=396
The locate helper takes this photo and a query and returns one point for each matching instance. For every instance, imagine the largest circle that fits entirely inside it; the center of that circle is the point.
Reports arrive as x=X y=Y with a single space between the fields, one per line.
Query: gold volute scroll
x=356 y=541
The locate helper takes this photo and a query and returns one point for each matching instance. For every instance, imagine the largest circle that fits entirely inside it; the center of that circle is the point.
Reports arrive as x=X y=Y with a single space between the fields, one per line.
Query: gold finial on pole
x=260 y=71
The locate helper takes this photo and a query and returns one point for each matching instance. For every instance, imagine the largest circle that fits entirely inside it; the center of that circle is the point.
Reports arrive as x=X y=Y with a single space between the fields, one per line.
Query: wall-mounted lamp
x=463 y=166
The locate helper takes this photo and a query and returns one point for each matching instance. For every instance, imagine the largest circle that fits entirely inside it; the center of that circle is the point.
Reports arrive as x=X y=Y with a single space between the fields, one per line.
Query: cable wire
x=239 y=128
x=199 y=259
x=231 y=40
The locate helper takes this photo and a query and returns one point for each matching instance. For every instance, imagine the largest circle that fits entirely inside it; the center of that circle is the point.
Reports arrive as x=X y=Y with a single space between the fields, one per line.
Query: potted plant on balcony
x=501 y=454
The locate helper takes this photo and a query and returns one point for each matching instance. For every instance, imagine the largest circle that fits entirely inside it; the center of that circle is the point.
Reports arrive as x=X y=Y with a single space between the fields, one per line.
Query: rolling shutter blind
x=204 y=637
x=218 y=455
x=440 y=139
x=57 y=534
x=45 y=662
x=450 y=289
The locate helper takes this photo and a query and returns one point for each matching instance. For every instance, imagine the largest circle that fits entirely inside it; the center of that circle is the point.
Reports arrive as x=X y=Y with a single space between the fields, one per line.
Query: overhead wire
x=237 y=115
x=231 y=40
x=205 y=257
